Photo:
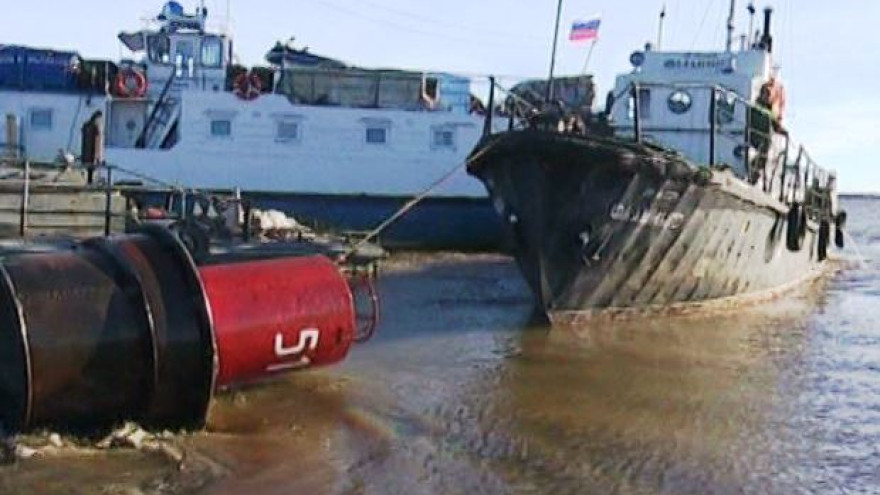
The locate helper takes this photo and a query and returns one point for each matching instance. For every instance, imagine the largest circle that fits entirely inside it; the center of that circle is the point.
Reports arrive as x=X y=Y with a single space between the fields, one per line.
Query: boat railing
x=771 y=160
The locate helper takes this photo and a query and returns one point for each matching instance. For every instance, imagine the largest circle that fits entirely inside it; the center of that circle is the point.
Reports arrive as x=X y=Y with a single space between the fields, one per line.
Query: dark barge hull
x=602 y=226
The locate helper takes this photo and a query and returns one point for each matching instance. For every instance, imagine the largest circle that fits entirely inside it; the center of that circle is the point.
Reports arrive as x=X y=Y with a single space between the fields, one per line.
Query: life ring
x=131 y=83
x=247 y=86
x=795 y=228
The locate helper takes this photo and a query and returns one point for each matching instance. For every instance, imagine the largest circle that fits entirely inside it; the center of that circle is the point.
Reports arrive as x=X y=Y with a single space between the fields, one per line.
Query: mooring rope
x=412 y=203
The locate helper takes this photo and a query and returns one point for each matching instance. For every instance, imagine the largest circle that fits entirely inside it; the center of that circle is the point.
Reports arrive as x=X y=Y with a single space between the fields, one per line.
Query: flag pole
x=549 y=97
x=589 y=55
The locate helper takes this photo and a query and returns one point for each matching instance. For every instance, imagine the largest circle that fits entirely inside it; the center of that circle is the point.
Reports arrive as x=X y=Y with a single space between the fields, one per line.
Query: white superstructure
x=190 y=128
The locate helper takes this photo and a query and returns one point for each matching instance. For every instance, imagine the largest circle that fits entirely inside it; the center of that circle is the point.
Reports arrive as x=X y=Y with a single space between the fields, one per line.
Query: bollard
x=128 y=328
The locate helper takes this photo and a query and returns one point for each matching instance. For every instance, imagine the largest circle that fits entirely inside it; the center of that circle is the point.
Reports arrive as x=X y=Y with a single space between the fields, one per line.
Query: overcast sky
x=828 y=52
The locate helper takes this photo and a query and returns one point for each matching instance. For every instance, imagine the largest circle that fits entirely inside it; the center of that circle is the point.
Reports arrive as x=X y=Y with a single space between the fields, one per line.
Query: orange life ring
x=247 y=86
x=131 y=83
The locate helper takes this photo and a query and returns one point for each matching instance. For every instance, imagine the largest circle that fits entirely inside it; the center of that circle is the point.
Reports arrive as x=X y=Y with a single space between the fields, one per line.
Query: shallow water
x=461 y=392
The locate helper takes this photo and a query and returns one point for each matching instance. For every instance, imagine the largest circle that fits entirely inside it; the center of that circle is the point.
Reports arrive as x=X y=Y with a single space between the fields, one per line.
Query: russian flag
x=585 y=30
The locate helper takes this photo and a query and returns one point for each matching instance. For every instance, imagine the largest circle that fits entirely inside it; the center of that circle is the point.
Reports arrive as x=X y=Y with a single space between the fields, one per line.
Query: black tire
x=840 y=222
x=824 y=237
x=795 y=228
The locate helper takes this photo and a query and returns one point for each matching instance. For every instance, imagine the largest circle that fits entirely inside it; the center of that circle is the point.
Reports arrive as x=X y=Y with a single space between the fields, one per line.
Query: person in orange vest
x=773 y=99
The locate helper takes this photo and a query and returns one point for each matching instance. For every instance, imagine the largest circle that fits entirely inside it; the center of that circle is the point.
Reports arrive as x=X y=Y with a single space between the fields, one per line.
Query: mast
x=549 y=97
x=730 y=26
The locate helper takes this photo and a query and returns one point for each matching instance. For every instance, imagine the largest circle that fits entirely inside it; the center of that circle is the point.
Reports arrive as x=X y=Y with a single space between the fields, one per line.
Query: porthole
x=679 y=102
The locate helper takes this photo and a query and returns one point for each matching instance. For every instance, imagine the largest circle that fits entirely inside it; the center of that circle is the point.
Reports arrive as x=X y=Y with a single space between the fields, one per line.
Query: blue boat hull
x=436 y=223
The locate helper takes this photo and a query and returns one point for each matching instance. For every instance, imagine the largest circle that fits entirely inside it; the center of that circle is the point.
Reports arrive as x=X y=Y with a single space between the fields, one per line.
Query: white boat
x=333 y=145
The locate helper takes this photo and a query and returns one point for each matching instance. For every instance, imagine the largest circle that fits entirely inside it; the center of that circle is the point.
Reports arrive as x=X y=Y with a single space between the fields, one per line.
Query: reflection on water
x=460 y=393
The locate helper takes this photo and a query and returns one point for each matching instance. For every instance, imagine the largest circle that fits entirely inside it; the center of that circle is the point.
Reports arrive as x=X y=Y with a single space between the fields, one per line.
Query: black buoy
x=794 y=234
x=839 y=225
x=824 y=237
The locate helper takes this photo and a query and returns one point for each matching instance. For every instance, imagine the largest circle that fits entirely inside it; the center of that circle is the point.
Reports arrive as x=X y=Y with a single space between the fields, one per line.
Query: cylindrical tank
x=289 y=314
x=128 y=327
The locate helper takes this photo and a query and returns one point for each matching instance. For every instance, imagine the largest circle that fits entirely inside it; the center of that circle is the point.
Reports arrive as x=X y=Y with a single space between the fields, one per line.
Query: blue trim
x=436 y=223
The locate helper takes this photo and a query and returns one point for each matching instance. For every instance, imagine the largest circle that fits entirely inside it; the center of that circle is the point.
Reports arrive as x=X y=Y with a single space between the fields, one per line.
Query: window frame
x=444 y=129
x=296 y=138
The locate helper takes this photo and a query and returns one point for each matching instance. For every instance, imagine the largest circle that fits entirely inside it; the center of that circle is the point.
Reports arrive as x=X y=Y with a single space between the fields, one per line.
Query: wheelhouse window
x=184 y=57
x=212 y=52
x=41 y=119
x=159 y=48
x=221 y=128
x=644 y=105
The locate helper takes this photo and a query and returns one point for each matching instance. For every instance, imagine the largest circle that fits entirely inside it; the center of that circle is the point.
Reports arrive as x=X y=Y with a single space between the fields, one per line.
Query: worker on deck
x=93 y=144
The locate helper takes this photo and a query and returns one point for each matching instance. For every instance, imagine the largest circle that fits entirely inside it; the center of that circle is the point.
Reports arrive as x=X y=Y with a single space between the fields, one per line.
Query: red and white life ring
x=247 y=86
x=131 y=83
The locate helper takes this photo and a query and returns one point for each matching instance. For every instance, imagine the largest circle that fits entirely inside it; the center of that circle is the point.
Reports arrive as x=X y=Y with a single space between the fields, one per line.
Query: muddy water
x=461 y=392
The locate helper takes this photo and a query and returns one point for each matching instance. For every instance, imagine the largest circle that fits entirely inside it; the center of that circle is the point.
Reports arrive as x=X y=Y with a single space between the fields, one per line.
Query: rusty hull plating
x=127 y=327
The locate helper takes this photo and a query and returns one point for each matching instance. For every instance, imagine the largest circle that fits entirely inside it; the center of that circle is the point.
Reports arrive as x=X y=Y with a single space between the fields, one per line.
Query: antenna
x=553 y=53
x=751 y=30
x=660 y=27
x=730 y=26
x=228 y=15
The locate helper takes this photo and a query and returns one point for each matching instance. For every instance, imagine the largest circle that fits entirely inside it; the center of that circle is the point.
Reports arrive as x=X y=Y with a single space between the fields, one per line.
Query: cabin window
x=725 y=107
x=286 y=131
x=221 y=128
x=212 y=52
x=679 y=102
x=644 y=105
x=377 y=135
x=443 y=137
x=41 y=119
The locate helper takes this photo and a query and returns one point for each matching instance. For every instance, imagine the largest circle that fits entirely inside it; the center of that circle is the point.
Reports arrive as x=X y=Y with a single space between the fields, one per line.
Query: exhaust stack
x=767 y=38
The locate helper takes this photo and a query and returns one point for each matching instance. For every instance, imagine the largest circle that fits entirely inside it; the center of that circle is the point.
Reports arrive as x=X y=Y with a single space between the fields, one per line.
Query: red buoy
x=278 y=315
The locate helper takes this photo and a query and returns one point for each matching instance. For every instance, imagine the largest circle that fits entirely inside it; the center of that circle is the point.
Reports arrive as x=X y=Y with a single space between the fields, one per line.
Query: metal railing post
x=490 y=111
x=25 y=200
x=713 y=124
x=108 y=201
x=637 y=117
x=783 y=174
x=748 y=143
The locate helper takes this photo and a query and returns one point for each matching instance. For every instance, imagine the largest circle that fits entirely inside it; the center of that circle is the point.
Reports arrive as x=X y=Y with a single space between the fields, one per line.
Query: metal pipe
x=549 y=97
